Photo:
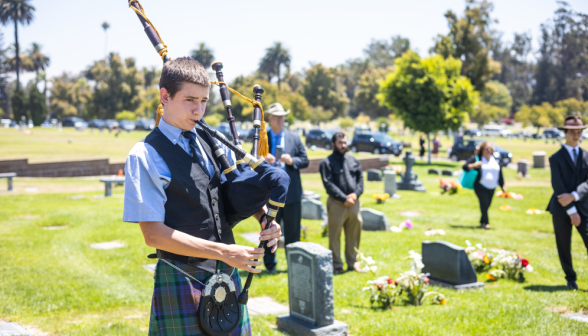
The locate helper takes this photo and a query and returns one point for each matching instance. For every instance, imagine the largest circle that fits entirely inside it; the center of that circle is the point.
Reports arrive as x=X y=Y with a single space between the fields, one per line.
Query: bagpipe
x=251 y=183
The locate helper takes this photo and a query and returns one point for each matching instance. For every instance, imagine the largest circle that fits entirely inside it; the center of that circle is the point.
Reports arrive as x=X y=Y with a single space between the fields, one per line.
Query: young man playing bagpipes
x=172 y=190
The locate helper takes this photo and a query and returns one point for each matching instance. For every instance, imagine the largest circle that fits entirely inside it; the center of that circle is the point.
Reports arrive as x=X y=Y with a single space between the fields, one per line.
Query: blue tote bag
x=467 y=178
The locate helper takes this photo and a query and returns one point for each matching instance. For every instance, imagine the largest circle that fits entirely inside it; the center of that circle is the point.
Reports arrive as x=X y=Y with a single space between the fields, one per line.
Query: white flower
x=366 y=289
x=441 y=232
x=395 y=229
x=479 y=246
x=369 y=261
x=373 y=268
x=529 y=268
x=468 y=243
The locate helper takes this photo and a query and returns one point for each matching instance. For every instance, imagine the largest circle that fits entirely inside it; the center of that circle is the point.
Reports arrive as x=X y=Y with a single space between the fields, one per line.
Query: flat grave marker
x=265 y=305
x=107 y=245
x=52 y=228
x=12 y=328
x=577 y=317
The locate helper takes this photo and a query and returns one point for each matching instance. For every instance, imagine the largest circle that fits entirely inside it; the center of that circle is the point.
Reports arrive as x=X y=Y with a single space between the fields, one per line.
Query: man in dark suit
x=288 y=152
x=569 y=203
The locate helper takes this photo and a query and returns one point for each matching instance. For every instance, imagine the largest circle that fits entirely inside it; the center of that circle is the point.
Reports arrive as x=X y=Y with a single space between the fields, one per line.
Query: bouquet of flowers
x=382 y=291
x=368 y=264
x=480 y=258
x=505 y=207
x=509 y=194
x=534 y=211
x=406 y=224
x=449 y=187
x=513 y=266
x=432 y=232
x=381 y=198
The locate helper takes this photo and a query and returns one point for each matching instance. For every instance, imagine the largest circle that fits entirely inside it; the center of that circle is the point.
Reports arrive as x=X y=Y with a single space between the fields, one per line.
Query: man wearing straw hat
x=288 y=152
x=569 y=203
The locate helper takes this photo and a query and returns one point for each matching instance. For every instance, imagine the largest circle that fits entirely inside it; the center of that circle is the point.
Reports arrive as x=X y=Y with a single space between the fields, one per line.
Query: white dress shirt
x=570 y=150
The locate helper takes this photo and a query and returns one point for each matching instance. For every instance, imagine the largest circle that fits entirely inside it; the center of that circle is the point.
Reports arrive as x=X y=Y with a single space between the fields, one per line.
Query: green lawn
x=54 y=282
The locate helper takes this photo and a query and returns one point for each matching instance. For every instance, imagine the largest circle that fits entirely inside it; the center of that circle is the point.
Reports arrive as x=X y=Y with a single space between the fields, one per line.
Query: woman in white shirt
x=489 y=177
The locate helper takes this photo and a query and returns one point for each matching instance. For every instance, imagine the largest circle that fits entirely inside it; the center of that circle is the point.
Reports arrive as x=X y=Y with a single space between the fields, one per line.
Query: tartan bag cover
x=176 y=298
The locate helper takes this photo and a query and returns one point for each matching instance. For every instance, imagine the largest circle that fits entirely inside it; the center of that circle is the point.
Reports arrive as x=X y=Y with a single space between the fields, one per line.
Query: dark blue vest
x=194 y=203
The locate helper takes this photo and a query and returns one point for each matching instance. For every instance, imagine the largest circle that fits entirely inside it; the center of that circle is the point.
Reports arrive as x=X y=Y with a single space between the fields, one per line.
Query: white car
x=496 y=130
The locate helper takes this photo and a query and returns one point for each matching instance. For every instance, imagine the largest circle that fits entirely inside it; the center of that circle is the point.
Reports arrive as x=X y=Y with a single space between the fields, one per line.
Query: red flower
x=379 y=287
x=426 y=280
x=524 y=262
x=390 y=281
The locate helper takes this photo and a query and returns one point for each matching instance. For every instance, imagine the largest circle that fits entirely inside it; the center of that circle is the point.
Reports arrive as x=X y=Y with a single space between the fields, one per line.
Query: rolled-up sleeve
x=144 y=187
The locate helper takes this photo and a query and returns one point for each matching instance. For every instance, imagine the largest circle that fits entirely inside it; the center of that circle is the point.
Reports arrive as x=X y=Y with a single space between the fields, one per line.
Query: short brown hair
x=180 y=70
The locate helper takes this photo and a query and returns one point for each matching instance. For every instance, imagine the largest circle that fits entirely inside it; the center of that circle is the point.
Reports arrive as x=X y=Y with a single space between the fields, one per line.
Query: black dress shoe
x=572 y=285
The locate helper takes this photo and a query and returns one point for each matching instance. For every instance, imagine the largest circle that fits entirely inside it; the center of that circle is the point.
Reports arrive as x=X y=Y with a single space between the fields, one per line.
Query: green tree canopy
x=469 y=39
x=428 y=94
x=322 y=89
x=495 y=105
x=203 y=54
x=382 y=54
x=538 y=116
x=275 y=57
x=16 y=11
x=367 y=91
x=118 y=86
x=69 y=96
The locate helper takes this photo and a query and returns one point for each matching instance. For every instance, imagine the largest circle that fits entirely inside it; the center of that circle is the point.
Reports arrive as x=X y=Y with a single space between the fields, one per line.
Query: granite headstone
x=313 y=209
x=390 y=183
x=523 y=168
x=434 y=171
x=373 y=175
x=310 y=287
x=409 y=179
x=448 y=265
x=374 y=220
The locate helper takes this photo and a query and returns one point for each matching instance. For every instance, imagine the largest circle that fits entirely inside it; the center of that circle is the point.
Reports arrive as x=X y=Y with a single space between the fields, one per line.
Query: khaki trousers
x=347 y=219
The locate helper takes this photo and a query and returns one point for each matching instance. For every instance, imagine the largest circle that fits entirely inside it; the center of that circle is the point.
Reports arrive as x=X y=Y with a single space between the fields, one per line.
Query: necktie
x=575 y=156
x=195 y=150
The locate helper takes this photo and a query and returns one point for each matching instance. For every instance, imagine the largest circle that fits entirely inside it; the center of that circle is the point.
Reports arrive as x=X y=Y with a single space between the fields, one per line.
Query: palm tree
x=105 y=26
x=17 y=11
x=274 y=58
x=23 y=62
x=39 y=61
x=203 y=54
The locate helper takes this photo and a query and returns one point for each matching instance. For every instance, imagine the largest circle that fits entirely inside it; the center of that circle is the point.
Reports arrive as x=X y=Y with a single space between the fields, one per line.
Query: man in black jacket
x=343 y=179
x=569 y=205
x=288 y=152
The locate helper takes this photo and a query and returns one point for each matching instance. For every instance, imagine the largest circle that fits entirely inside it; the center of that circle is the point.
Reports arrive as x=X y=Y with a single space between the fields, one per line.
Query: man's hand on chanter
x=272 y=235
x=243 y=257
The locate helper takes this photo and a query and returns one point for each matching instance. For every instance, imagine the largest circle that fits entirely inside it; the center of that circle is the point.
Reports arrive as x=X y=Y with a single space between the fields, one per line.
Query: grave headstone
x=409 y=179
x=390 y=183
x=447 y=172
x=311 y=195
x=539 y=159
x=434 y=171
x=310 y=287
x=448 y=265
x=106 y=245
x=265 y=305
x=577 y=317
x=12 y=328
x=373 y=175
x=523 y=168
x=374 y=220
x=313 y=209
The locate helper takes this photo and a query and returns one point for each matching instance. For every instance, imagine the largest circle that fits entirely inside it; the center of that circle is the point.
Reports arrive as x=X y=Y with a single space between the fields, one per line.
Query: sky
x=319 y=31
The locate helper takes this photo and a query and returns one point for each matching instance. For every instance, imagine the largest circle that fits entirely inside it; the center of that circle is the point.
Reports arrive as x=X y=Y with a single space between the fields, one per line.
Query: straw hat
x=276 y=109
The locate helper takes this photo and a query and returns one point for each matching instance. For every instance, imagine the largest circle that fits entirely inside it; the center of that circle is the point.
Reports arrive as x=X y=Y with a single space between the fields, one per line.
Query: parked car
x=111 y=124
x=375 y=142
x=496 y=130
x=97 y=123
x=145 y=124
x=126 y=125
x=362 y=129
x=551 y=133
x=465 y=148
x=320 y=138
x=46 y=124
x=472 y=132
x=74 y=122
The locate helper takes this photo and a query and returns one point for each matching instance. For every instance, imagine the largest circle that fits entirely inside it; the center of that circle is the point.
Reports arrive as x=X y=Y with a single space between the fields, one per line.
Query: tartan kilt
x=174 y=308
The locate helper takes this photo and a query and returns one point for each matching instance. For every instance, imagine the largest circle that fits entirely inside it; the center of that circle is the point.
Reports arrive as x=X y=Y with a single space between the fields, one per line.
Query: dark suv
x=319 y=138
x=465 y=148
x=375 y=142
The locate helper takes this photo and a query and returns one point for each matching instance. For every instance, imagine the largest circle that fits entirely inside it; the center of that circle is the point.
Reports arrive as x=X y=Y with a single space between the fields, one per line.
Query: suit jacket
x=293 y=146
x=567 y=177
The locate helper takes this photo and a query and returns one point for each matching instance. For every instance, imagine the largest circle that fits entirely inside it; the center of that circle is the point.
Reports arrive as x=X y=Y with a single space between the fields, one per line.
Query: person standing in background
x=288 y=152
x=489 y=177
x=343 y=179
x=568 y=204
x=436 y=145
x=422 y=144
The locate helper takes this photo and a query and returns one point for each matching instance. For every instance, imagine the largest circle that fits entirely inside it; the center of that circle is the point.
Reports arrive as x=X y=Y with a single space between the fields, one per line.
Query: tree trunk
x=17 y=55
x=429 y=146
x=279 y=79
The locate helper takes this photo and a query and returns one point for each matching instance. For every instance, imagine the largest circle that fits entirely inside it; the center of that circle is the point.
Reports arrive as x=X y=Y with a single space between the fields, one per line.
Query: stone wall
x=103 y=167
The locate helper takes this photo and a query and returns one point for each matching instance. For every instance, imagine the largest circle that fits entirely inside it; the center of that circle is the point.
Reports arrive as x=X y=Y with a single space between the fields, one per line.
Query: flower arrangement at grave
x=505 y=207
x=381 y=198
x=505 y=264
x=407 y=224
x=509 y=194
x=433 y=232
x=410 y=287
x=367 y=264
x=534 y=211
x=449 y=187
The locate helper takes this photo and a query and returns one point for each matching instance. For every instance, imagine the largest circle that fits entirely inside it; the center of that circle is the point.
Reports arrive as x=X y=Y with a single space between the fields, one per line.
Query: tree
x=151 y=76
x=572 y=106
x=322 y=88
x=4 y=97
x=39 y=62
x=275 y=57
x=70 y=96
x=118 y=86
x=469 y=39
x=428 y=94
x=562 y=67
x=105 y=26
x=20 y=104
x=149 y=103
x=203 y=54
x=367 y=91
x=16 y=11
x=382 y=54
x=540 y=115
x=495 y=105
x=37 y=105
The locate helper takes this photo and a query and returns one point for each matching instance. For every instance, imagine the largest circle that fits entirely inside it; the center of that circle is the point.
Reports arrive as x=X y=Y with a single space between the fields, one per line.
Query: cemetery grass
x=51 y=280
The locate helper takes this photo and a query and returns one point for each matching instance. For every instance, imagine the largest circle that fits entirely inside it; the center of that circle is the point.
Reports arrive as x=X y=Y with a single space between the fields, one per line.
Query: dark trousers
x=485 y=198
x=289 y=216
x=562 y=226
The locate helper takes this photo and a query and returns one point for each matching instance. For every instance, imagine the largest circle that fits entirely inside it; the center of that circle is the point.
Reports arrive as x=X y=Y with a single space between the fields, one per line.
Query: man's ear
x=164 y=96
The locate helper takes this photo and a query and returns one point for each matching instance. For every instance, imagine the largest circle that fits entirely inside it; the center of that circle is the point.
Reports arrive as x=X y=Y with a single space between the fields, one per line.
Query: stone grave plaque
x=313 y=209
x=448 y=265
x=390 y=183
x=433 y=171
x=374 y=220
x=11 y=328
x=310 y=289
x=447 y=172
x=577 y=317
x=106 y=245
x=523 y=168
x=373 y=175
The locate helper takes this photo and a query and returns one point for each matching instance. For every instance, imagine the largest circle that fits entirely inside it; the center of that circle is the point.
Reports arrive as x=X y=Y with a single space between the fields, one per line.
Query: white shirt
x=570 y=150
x=490 y=173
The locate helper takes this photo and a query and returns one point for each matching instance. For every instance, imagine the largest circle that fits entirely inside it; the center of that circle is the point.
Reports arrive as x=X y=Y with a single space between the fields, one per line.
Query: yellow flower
x=491 y=277
x=442 y=302
x=486 y=260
